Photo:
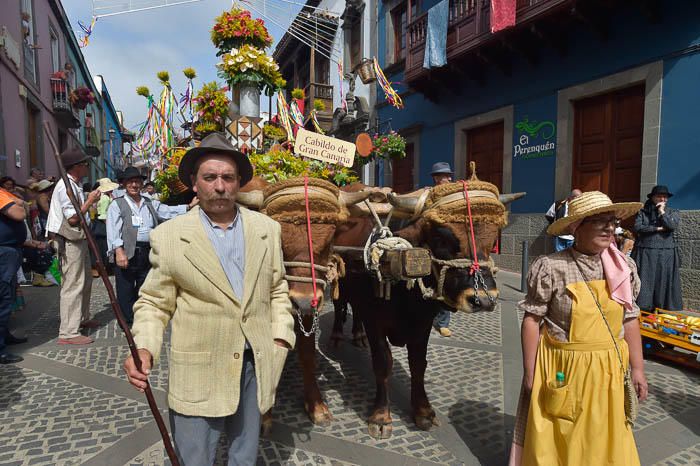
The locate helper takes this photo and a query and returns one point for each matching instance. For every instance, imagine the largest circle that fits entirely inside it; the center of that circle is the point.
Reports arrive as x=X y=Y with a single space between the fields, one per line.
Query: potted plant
x=81 y=96
x=389 y=146
x=211 y=108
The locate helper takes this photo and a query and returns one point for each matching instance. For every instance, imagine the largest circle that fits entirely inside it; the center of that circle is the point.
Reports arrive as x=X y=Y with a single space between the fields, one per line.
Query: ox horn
x=251 y=199
x=353 y=198
x=508 y=198
x=407 y=202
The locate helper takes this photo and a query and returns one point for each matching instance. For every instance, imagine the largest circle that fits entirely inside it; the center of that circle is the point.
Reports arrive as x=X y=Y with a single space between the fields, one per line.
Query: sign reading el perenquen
x=325 y=148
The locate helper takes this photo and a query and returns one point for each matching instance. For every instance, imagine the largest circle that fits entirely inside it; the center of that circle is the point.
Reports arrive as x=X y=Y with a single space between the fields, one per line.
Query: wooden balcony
x=469 y=29
x=324 y=93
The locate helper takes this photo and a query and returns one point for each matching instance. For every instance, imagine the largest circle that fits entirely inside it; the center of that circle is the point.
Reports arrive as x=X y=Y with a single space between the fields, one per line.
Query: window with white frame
x=55 y=51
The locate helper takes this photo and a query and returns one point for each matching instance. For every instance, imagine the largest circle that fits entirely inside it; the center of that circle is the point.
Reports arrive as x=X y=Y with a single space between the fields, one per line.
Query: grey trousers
x=196 y=438
x=76 y=285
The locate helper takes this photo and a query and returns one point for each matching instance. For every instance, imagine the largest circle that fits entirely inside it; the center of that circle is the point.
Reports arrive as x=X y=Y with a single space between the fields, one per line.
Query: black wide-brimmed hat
x=131 y=172
x=73 y=156
x=441 y=168
x=215 y=143
x=659 y=189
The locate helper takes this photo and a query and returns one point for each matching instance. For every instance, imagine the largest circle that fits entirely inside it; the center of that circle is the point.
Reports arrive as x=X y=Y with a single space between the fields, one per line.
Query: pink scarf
x=617 y=275
x=616 y=271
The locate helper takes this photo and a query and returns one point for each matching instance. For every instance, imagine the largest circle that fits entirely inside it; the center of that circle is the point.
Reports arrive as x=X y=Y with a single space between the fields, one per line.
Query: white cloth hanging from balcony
x=436 y=36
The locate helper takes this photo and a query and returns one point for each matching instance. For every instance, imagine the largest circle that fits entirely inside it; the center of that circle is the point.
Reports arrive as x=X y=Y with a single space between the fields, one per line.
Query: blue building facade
x=112 y=149
x=568 y=98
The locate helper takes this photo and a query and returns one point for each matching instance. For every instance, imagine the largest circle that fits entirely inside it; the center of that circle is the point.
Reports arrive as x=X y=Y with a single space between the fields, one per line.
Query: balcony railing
x=63 y=110
x=469 y=27
x=318 y=91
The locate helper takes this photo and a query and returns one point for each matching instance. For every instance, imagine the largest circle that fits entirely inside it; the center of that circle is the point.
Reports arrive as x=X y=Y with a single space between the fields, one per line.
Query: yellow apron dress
x=582 y=422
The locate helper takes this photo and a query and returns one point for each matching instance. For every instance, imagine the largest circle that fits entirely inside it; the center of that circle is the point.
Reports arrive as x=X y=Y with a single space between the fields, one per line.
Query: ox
x=406 y=319
x=284 y=202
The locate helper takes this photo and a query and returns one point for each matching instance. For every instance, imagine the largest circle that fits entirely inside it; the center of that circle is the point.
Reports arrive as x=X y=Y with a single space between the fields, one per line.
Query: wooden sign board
x=324 y=148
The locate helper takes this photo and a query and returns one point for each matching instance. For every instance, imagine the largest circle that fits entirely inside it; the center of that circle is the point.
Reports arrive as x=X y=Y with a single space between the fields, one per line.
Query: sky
x=129 y=49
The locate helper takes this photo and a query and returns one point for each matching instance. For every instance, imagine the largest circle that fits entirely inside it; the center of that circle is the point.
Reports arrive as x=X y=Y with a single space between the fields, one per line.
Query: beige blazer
x=187 y=286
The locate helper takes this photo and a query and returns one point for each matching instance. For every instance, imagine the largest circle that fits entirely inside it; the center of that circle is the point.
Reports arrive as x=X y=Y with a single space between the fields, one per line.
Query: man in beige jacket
x=218 y=277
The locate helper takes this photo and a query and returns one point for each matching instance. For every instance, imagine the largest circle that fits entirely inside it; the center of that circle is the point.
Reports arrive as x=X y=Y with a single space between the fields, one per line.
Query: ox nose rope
x=314 y=300
x=475 y=269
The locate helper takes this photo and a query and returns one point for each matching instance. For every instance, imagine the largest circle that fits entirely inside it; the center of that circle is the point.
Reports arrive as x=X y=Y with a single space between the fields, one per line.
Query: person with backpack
x=130 y=219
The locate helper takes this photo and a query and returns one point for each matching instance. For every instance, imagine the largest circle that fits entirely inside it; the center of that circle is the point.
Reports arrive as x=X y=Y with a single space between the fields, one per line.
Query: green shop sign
x=535 y=139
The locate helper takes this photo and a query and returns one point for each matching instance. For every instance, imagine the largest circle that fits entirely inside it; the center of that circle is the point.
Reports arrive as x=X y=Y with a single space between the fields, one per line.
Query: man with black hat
x=656 y=253
x=218 y=278
x=442 y=174
x=130 y=219
x=74 y=257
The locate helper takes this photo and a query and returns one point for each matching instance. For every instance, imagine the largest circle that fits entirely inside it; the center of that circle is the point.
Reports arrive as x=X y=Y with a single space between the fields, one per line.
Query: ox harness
x=382 y=239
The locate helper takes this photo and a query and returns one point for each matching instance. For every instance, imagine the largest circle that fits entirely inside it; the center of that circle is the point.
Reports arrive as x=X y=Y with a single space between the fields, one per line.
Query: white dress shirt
x=61 y=206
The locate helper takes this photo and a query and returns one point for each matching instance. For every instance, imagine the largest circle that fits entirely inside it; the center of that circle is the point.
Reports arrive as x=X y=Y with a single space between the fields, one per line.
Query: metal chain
x=314 y=324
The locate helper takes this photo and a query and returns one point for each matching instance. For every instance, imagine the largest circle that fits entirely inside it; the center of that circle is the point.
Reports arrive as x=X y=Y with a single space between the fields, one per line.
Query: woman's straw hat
x=106 y=185
x=588 y=204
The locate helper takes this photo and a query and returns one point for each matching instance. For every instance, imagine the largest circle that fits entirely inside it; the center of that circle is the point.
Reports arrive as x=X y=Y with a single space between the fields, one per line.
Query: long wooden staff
x=112 y=298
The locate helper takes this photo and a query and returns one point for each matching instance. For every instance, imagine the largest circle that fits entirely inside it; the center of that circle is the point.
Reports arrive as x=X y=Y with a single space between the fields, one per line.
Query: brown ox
x=284 y=202
x=406 y=319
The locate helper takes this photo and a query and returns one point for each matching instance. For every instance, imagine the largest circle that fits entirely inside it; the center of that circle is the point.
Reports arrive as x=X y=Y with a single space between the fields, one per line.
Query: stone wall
x=531 y=228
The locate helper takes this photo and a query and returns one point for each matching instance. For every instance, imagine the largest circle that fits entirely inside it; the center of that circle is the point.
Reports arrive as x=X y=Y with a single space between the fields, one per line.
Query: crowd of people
x=42 y=244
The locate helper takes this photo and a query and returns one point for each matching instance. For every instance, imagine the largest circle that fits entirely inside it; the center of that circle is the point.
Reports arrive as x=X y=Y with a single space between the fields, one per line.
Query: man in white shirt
x=130 y=219
x=63 y=222
x=557 y=210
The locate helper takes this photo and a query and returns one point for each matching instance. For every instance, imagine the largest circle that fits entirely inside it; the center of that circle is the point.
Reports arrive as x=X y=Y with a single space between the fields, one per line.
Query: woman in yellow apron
x=571 y=409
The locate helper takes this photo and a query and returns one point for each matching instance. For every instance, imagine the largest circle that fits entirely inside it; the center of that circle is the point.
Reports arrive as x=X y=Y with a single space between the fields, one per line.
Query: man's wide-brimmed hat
x=215 y=143
x=441 y=168
x=131 y=172
x=659 y=189
x=106 y=185
x=73 y=156
x=588 y=204
x=42 y=185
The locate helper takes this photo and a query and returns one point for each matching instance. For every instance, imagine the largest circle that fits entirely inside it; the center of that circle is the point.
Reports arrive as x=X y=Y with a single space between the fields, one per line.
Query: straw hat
x=42 y=185
x=588 y=204
x=106 y=185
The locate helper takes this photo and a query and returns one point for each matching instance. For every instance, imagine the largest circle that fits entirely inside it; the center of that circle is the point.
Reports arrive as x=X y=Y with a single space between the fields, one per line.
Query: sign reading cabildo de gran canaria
x=325 y=148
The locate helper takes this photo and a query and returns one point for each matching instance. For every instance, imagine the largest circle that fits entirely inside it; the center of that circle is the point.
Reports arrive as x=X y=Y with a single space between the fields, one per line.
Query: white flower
x=231 y=62
x=275 y=66
x=244 y=67
x=239 y=59
x=234 y=51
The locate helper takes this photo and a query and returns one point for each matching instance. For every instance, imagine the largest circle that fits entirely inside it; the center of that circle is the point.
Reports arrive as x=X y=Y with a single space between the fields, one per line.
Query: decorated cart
x=673 y=336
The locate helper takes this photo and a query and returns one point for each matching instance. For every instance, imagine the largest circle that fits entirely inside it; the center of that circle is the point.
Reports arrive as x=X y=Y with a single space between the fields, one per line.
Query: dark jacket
x=648 y=220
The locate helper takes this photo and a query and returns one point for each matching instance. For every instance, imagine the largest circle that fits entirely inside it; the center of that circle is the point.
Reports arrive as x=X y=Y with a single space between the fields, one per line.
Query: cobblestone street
x=69 y=406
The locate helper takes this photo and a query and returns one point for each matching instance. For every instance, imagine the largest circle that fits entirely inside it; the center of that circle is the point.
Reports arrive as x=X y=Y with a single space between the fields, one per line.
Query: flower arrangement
x=143 y=91
x=389 y=146
x=274 y=133
x=250 y=65
x=298 y=94
x=276 y=165
x=319 y=106
x=164 y=77
x=81 y=96
x=211 y=107
x=167 y=180
x=235 y=28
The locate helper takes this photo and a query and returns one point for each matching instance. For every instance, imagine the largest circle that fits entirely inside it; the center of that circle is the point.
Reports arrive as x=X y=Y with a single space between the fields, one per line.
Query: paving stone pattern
x=48 y=420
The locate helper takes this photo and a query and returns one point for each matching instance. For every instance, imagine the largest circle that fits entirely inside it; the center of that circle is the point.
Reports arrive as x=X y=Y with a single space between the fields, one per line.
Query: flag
x=502 y=14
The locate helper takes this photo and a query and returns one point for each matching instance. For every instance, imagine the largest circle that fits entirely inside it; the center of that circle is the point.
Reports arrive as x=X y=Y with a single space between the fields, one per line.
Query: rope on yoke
x=475 y=269
x=314 y=300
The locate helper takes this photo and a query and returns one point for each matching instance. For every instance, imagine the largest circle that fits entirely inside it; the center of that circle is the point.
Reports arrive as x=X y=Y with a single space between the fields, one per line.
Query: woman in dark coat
x=656 y=253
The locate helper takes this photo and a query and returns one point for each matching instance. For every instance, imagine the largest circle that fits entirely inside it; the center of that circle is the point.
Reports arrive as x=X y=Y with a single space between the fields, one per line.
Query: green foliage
x=144 y=91
x=298 y=93
x=319 y=106
x=164 y=77
x=189 y=73
x=274 y=132
x=278 y=165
